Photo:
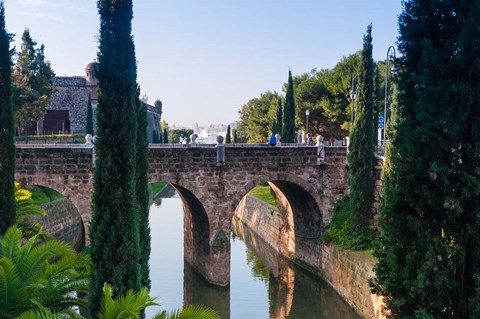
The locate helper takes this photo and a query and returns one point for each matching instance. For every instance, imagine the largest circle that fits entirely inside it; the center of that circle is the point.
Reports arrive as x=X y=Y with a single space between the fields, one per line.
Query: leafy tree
x=142 y=193
x=114 y=228
x=7 y=146
x=428 y=252
x=33 y=83
x=177 y=134
x=228 y=137
x=165 y=135
x=288 y=132
x=258 y=115
x=278 y=121
x=37 y=274
x=362 y=144
x=89 y=128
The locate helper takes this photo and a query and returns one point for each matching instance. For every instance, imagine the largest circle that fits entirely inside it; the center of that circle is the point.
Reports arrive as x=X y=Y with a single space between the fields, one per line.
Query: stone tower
x=91 y=81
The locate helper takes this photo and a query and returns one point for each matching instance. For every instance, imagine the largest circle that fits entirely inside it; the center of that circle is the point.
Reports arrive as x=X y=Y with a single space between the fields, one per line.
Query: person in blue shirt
x=272 y=141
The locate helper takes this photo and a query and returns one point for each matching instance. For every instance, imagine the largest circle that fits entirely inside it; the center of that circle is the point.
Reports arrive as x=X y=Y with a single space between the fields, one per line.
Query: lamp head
x=307 y=112
x=353 y=94
x=394 y=71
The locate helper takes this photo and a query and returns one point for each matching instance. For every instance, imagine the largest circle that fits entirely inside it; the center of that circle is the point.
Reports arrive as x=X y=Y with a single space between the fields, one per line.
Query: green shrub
x=264 y=193
x=340 y=231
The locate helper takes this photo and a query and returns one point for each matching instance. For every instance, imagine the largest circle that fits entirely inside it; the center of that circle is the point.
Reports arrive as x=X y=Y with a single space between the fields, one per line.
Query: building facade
x=67 y=111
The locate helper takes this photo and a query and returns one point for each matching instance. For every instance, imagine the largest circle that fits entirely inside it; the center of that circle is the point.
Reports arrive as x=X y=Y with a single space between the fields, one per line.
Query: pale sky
x=204 y=59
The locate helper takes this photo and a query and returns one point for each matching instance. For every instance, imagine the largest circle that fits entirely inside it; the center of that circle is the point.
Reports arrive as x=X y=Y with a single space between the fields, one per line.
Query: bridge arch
x=63 y=219
x=301 y=225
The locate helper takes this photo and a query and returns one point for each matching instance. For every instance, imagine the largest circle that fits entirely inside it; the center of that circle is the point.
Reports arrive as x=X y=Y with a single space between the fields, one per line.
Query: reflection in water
x=263 y=284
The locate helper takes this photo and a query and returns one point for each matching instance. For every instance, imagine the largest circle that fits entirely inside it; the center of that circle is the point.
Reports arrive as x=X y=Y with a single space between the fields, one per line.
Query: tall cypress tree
x=165 y=136
x=143 y=196
x=228 y=137
x=7 y=146
x=428 y=254
x=235 y=137
x=114 y=230
x=89 y=128
x=288 y=128
x=362 y=147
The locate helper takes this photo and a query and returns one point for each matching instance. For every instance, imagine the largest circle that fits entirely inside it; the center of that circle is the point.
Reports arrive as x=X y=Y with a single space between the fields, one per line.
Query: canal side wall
x=348 y=272
x=62 y=222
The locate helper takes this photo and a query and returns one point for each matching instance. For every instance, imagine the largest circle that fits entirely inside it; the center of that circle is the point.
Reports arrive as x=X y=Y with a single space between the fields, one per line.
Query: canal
x=263 y=285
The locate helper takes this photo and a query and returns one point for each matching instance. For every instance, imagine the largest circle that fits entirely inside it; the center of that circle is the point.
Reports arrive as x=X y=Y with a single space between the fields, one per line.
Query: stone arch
x=63 y=220
x=301 y=223
x=196 y=224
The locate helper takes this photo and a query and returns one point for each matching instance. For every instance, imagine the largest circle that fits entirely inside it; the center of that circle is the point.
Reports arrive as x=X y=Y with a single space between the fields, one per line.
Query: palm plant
x=133 y=304
x=25 y=208
x=39 y=276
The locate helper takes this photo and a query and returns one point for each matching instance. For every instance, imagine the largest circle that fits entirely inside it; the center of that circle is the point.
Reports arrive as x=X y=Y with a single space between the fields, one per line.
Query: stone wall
x=348 y=272
x=261 y=217
x=63 y=222
x=71 y=95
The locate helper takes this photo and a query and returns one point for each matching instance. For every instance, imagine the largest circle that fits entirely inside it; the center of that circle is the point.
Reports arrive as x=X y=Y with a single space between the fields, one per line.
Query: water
x=279 y=290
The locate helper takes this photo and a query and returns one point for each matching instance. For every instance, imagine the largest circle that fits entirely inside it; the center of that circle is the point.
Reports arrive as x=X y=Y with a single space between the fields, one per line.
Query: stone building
x=67 y=111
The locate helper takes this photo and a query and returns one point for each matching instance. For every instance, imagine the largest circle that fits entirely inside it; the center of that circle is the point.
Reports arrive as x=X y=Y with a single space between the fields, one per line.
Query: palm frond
x=190 y=312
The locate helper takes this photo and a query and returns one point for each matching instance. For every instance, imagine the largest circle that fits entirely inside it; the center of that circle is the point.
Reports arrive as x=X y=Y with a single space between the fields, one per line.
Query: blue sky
x=204 y=59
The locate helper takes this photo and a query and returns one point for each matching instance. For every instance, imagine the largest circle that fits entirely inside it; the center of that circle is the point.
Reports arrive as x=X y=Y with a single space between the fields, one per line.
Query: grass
x=156 y=187
x=264 y=193
x=42 y=195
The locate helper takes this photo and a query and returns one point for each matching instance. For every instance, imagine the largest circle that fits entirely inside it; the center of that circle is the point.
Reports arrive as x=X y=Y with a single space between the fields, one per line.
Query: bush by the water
x=340 y=231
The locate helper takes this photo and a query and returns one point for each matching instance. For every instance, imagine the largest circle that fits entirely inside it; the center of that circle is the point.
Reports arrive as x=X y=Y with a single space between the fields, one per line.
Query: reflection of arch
x=196 y=225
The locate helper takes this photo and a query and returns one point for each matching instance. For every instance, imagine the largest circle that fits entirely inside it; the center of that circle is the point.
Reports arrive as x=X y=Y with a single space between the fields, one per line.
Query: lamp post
x=393 y=71
x=353 y=94
x=307 y=113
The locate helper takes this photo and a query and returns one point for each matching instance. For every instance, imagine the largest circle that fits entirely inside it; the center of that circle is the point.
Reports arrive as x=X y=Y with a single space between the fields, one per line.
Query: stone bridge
x=305 y=190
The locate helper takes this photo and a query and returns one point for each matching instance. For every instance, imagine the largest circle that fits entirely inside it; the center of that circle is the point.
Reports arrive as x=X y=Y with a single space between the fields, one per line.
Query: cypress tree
x=362 y=147
x=165 y=136
x=7 y=146
x=288 y=127
x=278 y=118
x=143 y=196
x=228 y=137
x=114 y=228
x=235 y=137
x=428 y=253
x=89 y=128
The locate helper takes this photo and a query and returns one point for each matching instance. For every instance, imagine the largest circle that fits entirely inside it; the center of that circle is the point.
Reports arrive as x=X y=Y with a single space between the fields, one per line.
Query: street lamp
x=390 y=55
x=353 y=94
x=307 y=113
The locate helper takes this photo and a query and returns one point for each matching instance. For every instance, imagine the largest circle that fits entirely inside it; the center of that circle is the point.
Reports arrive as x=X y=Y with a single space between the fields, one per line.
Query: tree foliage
x=257 y=117
x=142 y=193
x=7 y=146
x=165 y=135
x=180 y=135
x=288 y=127
x=278 y=120
x=89 y=127
x=33 y=83
x=114 y=228
x=228 y=137
x=362 y=143
x=37 y=274
x=428 y=253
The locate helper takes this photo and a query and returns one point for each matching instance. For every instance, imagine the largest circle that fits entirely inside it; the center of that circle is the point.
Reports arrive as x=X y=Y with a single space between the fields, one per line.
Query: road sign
x=380 y=121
